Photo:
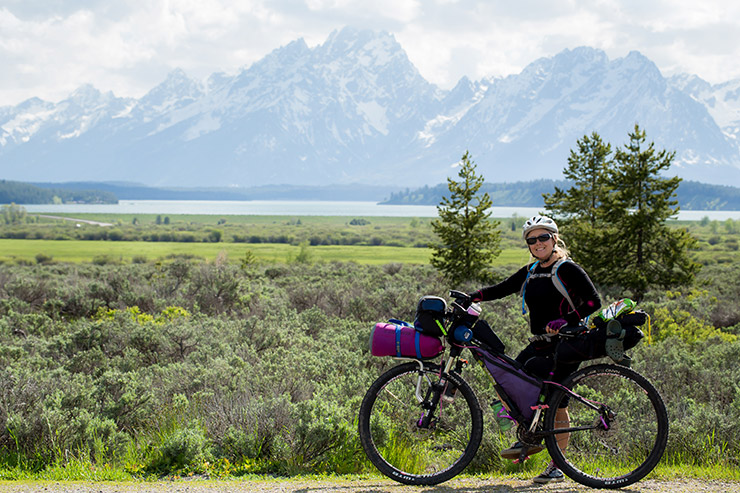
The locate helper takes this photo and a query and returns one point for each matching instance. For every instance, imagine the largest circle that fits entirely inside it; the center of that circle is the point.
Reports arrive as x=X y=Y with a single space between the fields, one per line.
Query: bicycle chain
x=530 y=439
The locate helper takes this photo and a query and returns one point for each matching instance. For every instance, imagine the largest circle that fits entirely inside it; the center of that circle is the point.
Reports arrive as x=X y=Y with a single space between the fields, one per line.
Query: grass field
x=718 y=241
x=214 y=219
x=129 y=251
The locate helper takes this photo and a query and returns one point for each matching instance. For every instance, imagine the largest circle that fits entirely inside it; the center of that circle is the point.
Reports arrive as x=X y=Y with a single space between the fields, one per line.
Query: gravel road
x=466 y=485
x=86 y=221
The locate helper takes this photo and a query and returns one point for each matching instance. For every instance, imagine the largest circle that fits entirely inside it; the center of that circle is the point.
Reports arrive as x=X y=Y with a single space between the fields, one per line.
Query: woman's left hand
x=555 y=326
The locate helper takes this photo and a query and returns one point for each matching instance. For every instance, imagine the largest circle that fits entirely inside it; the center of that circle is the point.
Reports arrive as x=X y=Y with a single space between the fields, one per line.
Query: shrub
x=42 y=258
x=268 y=363
x=185 y=449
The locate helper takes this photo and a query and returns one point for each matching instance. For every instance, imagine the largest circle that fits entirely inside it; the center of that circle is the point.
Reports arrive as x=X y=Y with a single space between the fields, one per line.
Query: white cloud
x=48 y=49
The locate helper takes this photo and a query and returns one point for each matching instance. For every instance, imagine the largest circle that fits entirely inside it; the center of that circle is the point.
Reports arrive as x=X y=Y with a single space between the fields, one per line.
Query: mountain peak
x=171 y=92
x=352 y=40
x=292 y=50
x=689 y=83
x=355 y=109
x=84 y=95
x=584 y=54
x=636 y=61
x=178 y=80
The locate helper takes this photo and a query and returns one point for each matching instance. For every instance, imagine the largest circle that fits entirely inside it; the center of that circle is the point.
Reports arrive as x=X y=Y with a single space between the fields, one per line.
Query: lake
x=299 y=208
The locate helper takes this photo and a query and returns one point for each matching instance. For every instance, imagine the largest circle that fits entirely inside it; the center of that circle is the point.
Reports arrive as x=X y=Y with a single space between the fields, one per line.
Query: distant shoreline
x=299 y=208
x=690 y=195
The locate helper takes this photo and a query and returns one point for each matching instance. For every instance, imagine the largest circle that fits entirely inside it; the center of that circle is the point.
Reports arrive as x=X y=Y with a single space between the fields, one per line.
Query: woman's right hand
x=476 y=296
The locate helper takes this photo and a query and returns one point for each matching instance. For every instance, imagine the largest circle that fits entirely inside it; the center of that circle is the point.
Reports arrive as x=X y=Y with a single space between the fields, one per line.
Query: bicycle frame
x=531 y=425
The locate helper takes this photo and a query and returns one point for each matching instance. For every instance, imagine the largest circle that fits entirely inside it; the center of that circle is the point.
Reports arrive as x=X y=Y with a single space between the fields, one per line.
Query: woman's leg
x=562 y=420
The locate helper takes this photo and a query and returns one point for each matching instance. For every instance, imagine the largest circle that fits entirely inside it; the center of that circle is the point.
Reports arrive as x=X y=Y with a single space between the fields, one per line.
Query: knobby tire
x=621 y=451
x=398 y=447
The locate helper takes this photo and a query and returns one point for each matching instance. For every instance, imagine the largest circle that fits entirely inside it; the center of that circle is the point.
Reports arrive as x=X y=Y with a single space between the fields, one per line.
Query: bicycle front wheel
x=619 y=427
x=394 y=441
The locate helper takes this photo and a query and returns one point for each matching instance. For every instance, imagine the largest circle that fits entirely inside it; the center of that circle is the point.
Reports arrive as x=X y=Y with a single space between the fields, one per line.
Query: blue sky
x=48 y=48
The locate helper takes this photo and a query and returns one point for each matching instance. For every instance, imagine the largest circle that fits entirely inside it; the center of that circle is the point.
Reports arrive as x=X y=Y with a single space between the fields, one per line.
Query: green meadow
x=129 y=238
x=132 y=251
x=143 y=237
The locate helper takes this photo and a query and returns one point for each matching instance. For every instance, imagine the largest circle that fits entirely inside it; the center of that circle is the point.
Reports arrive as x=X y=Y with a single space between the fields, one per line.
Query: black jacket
x=544 y=302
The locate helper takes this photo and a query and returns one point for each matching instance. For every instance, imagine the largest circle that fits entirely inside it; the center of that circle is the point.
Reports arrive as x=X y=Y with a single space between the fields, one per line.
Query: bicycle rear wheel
x=622 y=440
x=395 y=443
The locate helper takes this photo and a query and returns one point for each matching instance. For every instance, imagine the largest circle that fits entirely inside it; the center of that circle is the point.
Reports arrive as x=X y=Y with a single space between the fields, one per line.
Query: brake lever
x=461 y=299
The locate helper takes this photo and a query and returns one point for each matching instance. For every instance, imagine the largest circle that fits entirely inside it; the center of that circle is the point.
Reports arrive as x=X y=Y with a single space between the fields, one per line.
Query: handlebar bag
x=430 y=316
x=403 y=341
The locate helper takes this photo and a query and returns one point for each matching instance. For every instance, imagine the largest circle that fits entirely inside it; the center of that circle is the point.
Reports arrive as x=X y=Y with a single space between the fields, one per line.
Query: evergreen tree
x=614 y=216
x=587 y=169
x=578 y=210
x=644 y=251
x=469 y=239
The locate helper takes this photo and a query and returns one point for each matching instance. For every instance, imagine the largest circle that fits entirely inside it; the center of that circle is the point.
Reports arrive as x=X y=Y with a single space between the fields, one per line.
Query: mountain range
x=355 y=110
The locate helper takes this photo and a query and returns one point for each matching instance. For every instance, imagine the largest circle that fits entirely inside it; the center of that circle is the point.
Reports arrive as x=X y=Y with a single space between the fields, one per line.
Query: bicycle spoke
x=401 y=449
x=626 y=438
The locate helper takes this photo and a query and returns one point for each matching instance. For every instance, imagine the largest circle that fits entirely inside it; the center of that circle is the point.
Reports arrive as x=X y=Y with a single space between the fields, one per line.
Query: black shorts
x=538 y=360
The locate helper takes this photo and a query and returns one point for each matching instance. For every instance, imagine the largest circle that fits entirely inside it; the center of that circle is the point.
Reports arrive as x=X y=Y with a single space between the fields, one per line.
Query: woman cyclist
x=558 y=293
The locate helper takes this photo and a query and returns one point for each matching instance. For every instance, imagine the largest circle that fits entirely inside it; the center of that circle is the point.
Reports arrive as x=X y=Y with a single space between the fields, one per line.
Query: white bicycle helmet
x=539 y=222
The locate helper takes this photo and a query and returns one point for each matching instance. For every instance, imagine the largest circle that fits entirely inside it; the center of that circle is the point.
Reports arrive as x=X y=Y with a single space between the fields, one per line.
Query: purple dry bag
x=522 y=388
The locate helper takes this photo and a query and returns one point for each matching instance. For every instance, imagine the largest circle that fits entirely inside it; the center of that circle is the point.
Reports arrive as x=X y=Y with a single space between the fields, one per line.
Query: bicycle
x=421 y=423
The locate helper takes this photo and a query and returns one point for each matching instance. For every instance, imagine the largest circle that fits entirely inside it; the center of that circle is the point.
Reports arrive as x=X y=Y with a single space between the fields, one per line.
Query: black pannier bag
x=592 y=343
x=430 y=316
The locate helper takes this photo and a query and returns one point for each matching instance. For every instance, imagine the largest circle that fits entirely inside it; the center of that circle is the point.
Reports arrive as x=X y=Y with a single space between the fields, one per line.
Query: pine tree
x=586 y=169
x=469 y=239
x=579 y=210
x=614 y=216
x=644 y=251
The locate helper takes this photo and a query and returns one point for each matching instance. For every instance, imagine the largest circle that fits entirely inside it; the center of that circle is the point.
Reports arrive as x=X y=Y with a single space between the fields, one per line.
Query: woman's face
x=543 y=247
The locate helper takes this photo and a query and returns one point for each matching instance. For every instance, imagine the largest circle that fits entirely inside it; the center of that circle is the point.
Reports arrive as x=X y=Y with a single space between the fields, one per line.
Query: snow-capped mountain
x=530 y=121
x=356 y=110
x=721 y=100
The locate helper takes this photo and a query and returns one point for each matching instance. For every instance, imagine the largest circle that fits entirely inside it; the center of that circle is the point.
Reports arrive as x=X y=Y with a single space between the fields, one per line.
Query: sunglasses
x=541 y=238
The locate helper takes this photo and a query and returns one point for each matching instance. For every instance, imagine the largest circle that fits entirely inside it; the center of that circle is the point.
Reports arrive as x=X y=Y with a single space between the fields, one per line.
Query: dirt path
x=466 y=485
x=86 y=221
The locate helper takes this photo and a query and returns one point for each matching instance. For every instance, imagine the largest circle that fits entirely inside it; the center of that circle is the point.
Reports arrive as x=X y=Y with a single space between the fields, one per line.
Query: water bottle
x=502 y=415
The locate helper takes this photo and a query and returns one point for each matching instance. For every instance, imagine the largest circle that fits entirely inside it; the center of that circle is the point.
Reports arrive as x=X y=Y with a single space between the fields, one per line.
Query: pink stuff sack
x=403 y=341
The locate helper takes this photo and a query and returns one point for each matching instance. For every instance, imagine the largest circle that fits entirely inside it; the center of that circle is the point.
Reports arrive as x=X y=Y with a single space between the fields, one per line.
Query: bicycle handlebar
x=462 y=299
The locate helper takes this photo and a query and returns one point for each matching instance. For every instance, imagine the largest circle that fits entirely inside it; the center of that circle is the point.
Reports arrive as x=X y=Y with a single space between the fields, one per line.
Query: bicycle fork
x=430 y=401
